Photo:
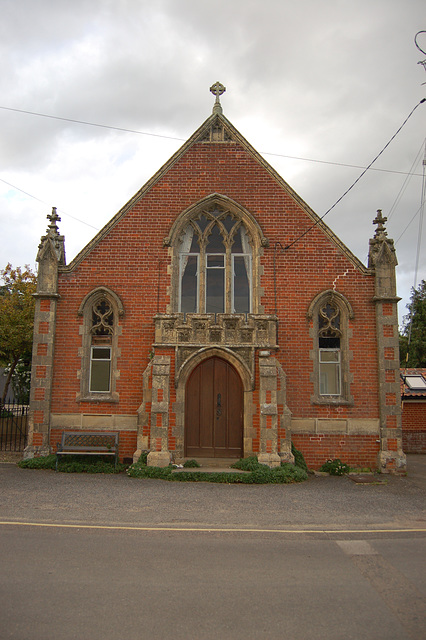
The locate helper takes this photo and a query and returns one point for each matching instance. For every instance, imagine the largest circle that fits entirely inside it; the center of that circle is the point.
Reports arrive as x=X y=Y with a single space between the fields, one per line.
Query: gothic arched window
x=330 y=312
x=100 y=309
x=215 y=264
x=329 y=334
x=101 y=332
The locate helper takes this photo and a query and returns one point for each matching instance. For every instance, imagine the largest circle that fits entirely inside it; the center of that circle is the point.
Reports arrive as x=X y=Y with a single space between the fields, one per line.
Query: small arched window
x=215 y=264
x=101 y=332
x=329 y=334
x=99 y=352
x=330 y=312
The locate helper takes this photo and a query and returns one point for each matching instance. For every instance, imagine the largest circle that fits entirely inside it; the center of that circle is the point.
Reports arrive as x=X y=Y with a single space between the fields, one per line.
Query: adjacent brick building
x=413 y=396
x=217 y=316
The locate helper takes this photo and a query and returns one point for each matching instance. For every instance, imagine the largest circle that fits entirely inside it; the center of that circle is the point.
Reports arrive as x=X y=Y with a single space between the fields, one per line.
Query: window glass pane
x=241 y=242
x=228 y=222
x=203 y=222
x=195 y=245
x=100 y=375
x=215 y=242
x=237 y=246
x=215 y=261
x=415 y=382
x=329 y=356
x=329 y=373
x=100 y=369
x=215 y=290
x=241 y=284
x=328 y=343
x=189 y=284
x=101 y=353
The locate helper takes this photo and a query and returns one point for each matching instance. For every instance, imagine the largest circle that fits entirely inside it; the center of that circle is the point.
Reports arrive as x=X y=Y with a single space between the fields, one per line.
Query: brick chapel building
x=216 y=315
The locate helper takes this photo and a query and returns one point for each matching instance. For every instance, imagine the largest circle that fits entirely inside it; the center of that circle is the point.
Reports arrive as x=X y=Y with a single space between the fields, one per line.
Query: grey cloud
x=330 y=80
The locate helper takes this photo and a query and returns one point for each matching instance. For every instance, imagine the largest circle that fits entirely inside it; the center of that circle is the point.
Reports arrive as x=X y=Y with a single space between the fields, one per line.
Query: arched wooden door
x=214 y=411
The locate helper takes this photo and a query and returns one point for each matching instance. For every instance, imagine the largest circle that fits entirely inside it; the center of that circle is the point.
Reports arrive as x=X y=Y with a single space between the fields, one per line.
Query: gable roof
x=217 y=129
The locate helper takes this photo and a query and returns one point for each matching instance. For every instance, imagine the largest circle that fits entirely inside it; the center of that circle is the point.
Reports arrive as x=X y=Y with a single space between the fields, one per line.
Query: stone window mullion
x=228 y=280
x=202 y=278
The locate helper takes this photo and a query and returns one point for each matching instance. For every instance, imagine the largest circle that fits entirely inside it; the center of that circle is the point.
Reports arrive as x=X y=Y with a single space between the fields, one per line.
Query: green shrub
x=73 y=464
x=299 y=460
x=43 y=462
x=256 y=473
x=191 y=464
x=335 y=467
x=247 y=464
x=143 y=457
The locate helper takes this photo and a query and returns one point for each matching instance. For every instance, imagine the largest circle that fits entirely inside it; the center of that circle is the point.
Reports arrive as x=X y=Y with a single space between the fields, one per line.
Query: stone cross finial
x=217 y=89
x=381 y=232
x=54 y=218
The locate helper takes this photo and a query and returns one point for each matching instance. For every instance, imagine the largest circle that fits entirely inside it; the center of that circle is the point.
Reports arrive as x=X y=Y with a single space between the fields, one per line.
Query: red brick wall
x=357 y=451
x=135 y=246
x=414 y=426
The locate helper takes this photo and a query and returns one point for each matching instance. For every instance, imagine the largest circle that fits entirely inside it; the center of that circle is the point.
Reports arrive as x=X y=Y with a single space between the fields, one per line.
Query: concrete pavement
x=104 y=557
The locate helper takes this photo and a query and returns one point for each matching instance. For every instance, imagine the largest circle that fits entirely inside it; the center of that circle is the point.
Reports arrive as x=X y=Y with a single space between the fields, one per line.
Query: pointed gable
x=215 y=146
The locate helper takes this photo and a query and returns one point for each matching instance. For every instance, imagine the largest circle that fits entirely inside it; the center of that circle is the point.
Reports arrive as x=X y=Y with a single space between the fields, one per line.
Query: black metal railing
x=13 y=426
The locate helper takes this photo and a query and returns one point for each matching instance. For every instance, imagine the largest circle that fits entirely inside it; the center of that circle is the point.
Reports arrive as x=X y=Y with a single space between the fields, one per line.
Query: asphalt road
x=115 y=557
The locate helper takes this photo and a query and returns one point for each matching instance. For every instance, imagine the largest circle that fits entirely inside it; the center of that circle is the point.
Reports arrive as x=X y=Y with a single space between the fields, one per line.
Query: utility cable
x=158 y=135
x=180 y=139
x=416 y=268
x=406 y=181
x=30 y=195
x=358 y=179
x=91 y=124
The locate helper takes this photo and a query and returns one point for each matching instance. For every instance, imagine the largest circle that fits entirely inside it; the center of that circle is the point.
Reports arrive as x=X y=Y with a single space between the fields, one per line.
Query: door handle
x=218 y=406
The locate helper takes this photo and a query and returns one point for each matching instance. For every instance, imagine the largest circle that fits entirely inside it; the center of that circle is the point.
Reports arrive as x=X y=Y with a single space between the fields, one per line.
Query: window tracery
x=100 y=310
x=215 y=264
x=330 y=312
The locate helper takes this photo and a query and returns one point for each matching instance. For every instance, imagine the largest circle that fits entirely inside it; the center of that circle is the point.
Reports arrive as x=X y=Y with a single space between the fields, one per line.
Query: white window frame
x=215 y=268
x=181 y=260
x=247 y=257
x=337 y=364
x=203 y=285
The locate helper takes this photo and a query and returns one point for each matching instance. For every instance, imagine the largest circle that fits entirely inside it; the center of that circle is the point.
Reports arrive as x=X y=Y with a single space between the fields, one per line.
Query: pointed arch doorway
x=214 y=411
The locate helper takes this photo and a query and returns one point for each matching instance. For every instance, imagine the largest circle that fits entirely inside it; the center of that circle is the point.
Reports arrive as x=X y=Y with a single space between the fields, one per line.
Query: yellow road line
x=207 y=529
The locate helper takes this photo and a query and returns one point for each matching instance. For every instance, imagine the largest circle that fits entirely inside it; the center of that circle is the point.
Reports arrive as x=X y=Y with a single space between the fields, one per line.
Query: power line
x=172 y=138
x=406 y=181
x=90 y=124
x=30 y=195
x=423 y=100
x=157 y=135
x=340 y=164
x=408 y=224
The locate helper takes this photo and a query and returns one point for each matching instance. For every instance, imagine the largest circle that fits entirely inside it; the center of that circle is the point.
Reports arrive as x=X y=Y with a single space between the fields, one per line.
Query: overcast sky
x=328 y=81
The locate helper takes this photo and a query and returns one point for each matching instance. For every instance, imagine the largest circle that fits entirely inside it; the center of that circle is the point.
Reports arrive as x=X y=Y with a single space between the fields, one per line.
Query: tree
x=16 y=318
x=413 y=334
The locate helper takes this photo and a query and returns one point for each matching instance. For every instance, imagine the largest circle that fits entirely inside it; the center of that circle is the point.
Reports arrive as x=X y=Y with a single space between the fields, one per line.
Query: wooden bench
x=88 y=444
